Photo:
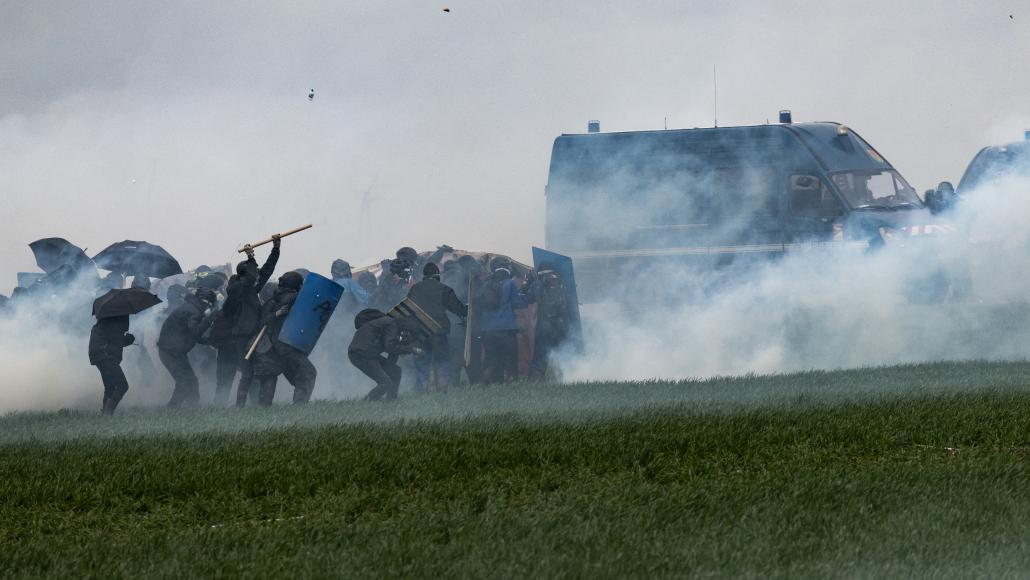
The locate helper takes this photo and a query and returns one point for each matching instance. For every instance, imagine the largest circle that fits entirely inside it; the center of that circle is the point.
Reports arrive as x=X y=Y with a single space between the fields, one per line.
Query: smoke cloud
x=190 y=127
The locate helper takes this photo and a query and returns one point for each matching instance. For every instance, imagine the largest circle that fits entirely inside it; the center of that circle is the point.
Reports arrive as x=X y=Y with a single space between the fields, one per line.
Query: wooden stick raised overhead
x=270 y=238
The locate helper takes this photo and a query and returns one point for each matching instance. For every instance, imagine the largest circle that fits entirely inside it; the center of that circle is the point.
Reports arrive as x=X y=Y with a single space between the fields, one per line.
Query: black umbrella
x=52 y=253
x=138 y=258
x=123 y=303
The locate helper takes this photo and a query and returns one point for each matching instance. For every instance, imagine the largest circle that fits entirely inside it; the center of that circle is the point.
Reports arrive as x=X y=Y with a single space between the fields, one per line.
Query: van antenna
x=666 y=123
x=715 y=94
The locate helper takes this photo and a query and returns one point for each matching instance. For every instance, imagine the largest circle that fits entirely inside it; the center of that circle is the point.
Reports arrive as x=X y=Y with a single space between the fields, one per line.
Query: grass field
x=910 y=471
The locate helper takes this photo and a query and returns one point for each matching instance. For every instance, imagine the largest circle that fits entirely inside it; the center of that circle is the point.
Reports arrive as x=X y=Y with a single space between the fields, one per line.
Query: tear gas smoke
x=939 y=297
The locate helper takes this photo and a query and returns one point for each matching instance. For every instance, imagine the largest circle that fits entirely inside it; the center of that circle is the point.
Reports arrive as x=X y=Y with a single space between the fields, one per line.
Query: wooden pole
x=253 y=347
x=270 y=238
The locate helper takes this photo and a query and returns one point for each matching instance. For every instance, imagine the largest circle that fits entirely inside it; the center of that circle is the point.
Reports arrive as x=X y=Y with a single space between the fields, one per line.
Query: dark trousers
x=543 y=344
x=501 y=356
x=436 y=355
x=187 y=387
x=386 y=374
x=115 y=383
x=230 y=359
x=293 y=364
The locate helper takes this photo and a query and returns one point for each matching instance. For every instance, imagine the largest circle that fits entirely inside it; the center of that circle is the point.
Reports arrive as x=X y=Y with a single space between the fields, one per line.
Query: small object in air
x=311 y=95
x=448 y=10
x=138 y=258
x=123 y=303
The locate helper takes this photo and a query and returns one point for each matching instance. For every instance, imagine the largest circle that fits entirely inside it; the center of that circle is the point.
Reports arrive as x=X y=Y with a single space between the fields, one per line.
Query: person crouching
x=274 y=357
x=377 y=343
x=179 y=334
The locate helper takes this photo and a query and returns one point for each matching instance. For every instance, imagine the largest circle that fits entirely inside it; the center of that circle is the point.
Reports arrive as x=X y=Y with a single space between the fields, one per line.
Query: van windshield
x=876 y=189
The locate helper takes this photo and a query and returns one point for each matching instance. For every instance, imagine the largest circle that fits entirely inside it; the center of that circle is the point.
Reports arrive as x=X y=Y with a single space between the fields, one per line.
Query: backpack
x=490 y=295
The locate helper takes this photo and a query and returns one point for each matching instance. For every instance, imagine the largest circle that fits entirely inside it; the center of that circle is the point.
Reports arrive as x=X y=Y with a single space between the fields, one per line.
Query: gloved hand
x=276 y=241
x=282 y=312
x=129 y=339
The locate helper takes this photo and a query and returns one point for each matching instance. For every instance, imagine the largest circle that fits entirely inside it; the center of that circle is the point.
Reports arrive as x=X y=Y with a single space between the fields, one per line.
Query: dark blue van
x=618 y=202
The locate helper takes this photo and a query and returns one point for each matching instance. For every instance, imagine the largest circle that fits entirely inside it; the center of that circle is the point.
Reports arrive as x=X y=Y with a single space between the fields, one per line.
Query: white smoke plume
x=940 y=297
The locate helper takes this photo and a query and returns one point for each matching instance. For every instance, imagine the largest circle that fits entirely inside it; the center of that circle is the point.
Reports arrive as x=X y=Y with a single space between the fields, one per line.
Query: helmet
x=246 y=267
x=291 y=281
x=407 y=253
x=430 y=269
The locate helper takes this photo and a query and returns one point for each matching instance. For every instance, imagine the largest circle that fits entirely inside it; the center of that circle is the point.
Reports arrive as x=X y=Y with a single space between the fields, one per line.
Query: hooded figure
x=274 y=357
x=354 y=294
x=106 y=341
x=547 y=290
x=179 y=334
x=238 y=323
x=376 y=334
x=498 y=300
x=393 y=285
x=436 y=299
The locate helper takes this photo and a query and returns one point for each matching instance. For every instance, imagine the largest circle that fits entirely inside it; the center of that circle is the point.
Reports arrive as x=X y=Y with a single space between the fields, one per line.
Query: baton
x=253 y=347
x=269 y=240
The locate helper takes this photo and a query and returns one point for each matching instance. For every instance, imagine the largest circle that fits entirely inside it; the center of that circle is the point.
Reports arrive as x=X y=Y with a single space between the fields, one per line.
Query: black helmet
x=246 y=267
x=407 y=253
x=430 y=269
x=291 y=281
x=500 y=262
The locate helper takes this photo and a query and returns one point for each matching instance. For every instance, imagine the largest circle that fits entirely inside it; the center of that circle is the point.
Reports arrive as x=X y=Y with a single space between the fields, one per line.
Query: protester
x=106 y=341
x=238 y=323
x=354 y=294
x=498 y=298
x=179 y=334
x=436 y=299
x=275 y=357
x=374 y=350
x=547 y=290
x=394 y=284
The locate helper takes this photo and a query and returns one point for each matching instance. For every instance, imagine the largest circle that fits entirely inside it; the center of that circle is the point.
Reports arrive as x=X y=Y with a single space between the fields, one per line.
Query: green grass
x=909 y=471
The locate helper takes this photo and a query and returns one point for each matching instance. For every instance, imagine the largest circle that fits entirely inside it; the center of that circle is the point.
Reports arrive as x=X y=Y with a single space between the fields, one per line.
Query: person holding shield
x=274 y=357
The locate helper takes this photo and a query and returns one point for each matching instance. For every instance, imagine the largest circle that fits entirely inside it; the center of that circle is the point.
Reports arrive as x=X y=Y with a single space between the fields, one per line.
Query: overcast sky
x=188 y=124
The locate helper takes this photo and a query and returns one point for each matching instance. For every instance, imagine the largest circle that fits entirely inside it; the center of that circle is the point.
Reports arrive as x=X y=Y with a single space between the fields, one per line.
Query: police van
x=623 y=203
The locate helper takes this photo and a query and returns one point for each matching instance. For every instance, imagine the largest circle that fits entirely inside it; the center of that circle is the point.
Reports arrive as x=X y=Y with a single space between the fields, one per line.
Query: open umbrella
x=123 y=303
x=52 y=253
x=138 y=258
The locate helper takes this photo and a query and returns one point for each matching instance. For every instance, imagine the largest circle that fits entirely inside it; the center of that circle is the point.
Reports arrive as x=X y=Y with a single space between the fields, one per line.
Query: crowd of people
x=493 y=320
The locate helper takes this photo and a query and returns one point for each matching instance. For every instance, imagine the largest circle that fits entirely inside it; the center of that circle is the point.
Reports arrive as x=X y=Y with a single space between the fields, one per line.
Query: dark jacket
x=377 y=333
x=108 y=338
x=185 y=325
x=552 y=312
x=283 y=298
x=436 y=299
x=240 y=316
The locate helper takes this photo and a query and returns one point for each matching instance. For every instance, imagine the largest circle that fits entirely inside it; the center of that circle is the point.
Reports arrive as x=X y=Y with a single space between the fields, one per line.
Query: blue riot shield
x=563 y=266
x=311 y=312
